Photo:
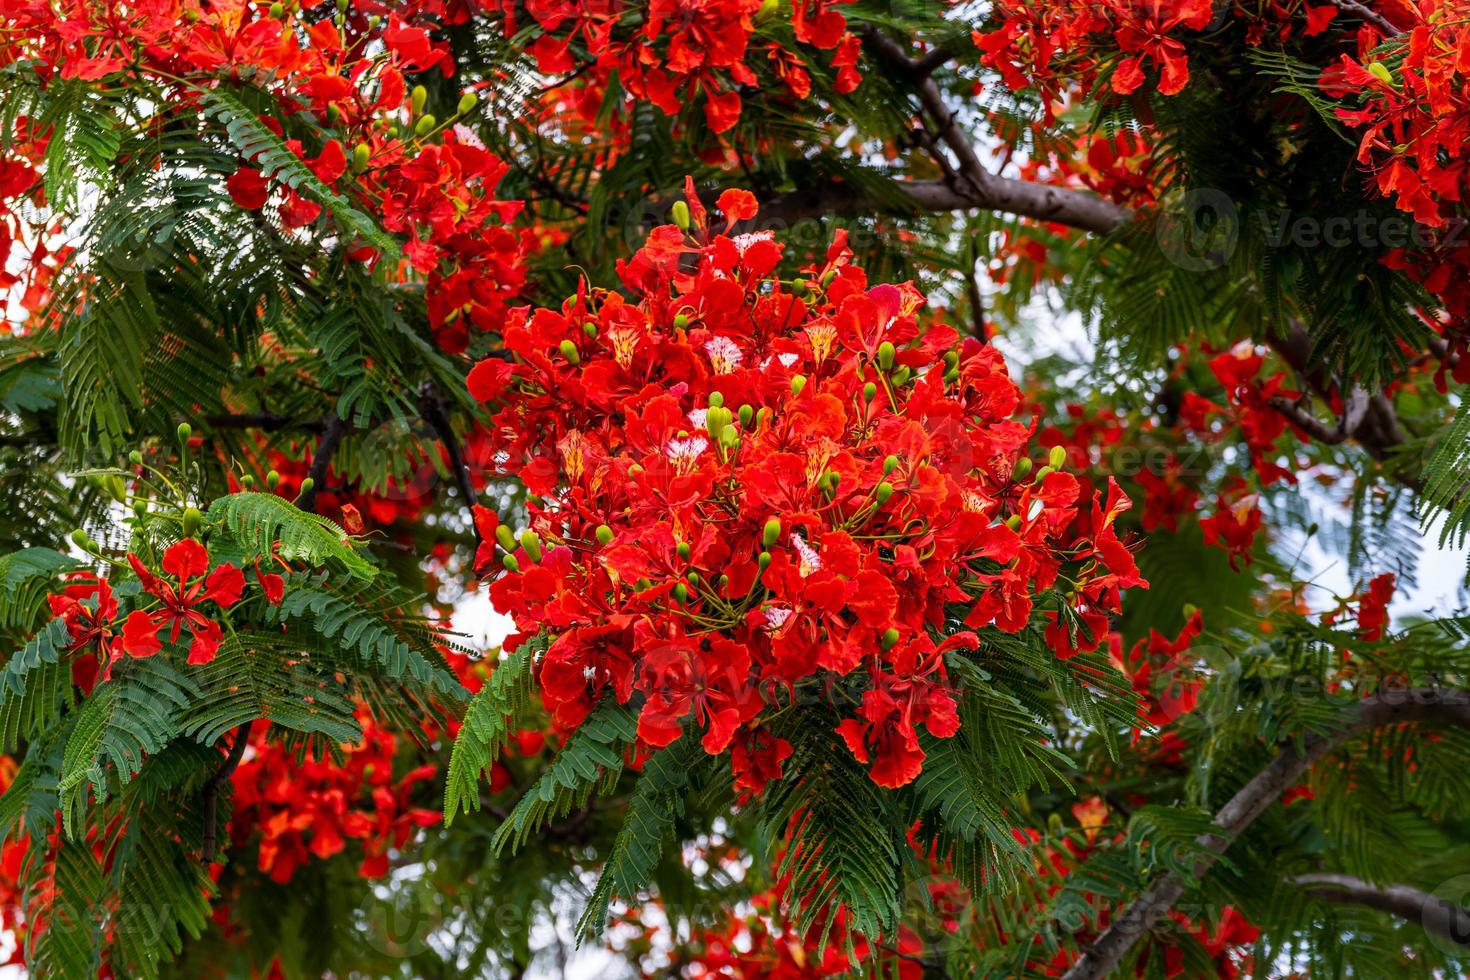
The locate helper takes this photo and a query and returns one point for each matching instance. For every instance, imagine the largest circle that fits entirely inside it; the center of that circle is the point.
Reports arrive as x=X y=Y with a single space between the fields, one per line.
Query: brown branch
x=1428 y=911
x=1422 y=705
x=320 y=461
x=1297 y=415
x=1368 y=14
x=435 y=411
x=210 y=844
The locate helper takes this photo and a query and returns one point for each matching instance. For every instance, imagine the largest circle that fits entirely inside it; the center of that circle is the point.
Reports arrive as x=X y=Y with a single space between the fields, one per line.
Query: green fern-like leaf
x=493 y=714
x=269 y=524
x=35 y=686
x=593 y=755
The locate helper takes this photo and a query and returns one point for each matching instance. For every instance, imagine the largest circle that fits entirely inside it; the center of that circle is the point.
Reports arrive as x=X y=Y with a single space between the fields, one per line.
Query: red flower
x=187 y=562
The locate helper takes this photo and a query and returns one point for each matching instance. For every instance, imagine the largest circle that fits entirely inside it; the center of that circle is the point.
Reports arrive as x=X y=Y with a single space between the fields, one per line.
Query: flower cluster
x=673 y=53
x=304 y=808
x=743 y=484
x=1056 y=47
x=367 y=135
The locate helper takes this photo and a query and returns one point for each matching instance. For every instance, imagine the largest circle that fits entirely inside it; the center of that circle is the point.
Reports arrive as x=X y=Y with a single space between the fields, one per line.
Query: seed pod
x=505 y=537
x=192 y=520
x=886 y=354
x=883 y=492
x=604 y=535
x=1058 y=457
x=890 y=463
x=531 y=544
x=467 y=103
x=569 y=351
x=680 y=213
x=418 y=98
x=771 y=532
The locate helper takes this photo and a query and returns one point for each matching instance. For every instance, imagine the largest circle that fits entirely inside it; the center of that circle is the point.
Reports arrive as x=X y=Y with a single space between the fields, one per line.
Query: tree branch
x=321 y=460
x=1422 y=705
x=435 y=411
x=1433 y=914
x=216 y=782
x=1368 y=14
x=266 y=421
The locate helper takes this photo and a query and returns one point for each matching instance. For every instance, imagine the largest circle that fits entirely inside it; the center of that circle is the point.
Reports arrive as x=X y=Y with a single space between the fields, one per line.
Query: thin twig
x=321 y=461
x=433 y=407
x=211 y=792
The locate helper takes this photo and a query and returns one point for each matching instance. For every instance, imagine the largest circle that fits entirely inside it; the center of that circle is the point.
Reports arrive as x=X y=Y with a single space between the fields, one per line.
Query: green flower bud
x=870 y=391
x=832 y=478
x=510 y=563
x=342 y=6
x=418 y=98
x=635 y=469
x=681 y=321
x=604 y=535
x=1380 y=71
x=890 y=463
x=644 y=584
x=505 y=537
x=135 y=457
x=140 y=509
x=762 y=418
x=951 y=358
x=192 y=520
x=889 y=639
x=117 y=488
x=185 y=430
x=334 y=115
x=1022 y=469
x=278 y=11
x=247 y=481
x=467 y=103
x=767 y=8
x=569 y=351
x=886 y=354
x=361 y=154
x=882 y=492
x=425 y=125
x=798 y=382
x=716 y=399
x=1014 y=522
x=79 y=538
x=723 y=581
x=771 y=532
x=763 y=560
x=683 y=550
x=692 y=577
x=798 y=286
x=306 y=486
x=272 y=480
x=1043 y=473
x=375 y=21
x=589 y=328
x=746 y=414
x=680 y=213
x=681 y=593
x=1058 y=457
x=532 y=545
x=901 y=376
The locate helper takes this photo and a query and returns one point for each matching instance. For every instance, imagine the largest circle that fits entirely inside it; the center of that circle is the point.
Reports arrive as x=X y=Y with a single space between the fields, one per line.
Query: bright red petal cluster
x=311 y=808
x=744 y=484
